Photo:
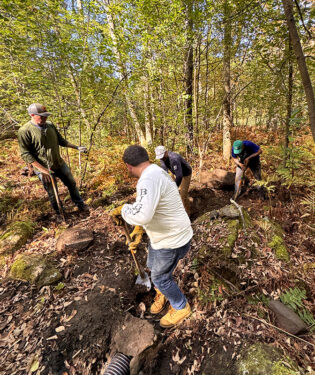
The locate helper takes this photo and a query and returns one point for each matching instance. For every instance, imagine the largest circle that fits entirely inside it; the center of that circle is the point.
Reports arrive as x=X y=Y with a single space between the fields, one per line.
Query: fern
x=309 y=203
x=293 y=298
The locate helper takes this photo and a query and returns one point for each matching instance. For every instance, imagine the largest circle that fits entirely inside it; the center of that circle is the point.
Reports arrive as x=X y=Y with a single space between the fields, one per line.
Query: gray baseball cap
x=38 y=109
x=159 y=152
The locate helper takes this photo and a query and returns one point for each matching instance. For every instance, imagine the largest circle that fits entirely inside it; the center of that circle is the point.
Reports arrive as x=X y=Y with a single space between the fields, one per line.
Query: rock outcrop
x=35 y=269
x=263 y=359
x=287 y=319
x=14 y=237
x=218 y=179
x=74 y=239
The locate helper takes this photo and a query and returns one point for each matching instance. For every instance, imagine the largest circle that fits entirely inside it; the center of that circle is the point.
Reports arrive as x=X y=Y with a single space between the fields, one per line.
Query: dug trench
x=85 y=344
x=72 y=328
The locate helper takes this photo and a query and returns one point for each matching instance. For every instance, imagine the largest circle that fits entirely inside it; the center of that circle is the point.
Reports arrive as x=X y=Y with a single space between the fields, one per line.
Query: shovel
x=143 y=277
x=61 y=211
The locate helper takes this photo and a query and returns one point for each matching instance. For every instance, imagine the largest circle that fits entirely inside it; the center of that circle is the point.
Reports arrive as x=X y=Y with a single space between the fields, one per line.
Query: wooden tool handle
x=125 y=228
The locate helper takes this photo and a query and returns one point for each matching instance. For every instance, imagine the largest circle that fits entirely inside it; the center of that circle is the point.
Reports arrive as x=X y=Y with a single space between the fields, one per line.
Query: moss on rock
x=233 y=227
x=203 y=218
x=35 y=269
x=274 y=234
x=277 y=244
x=15 y=236
x=262 y=359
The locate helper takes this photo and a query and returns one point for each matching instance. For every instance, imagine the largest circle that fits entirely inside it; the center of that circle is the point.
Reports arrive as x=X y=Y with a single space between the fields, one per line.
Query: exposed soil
x=99 y=288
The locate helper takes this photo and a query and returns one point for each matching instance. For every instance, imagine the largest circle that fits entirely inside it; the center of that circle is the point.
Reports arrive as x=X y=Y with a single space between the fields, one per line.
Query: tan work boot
x=159 y=302
x=174 y=317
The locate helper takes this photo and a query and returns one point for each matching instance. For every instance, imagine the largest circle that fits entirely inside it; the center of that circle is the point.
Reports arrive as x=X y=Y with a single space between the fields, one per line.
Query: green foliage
x=294 y=297
x=212 y=293
x=59 y=286
x=195 y=264
x=55 y=53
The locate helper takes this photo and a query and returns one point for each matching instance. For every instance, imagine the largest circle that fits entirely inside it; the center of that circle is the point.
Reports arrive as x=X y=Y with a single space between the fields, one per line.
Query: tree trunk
x=189 y=73
x=77 y=92
x=148 y=123
x=308 y=88
x=289 y=101
x=227 y=118
x=123 y=73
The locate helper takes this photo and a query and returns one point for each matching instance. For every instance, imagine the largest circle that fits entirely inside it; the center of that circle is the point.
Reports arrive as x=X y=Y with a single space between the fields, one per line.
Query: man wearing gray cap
x=39 y=142
x=180 y=168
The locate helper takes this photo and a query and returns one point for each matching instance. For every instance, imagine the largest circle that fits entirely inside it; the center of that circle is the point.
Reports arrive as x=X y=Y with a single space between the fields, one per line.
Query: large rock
x=287 y=319
x=263 y=359
x=74 y=239
x=35 y=269
x=14 y=237
x=218 y=179
x=229 y=211
x=233 y=227
x=136 y=337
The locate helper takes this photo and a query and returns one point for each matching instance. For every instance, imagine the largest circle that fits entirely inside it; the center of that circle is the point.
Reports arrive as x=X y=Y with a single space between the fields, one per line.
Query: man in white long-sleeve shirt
x=159 y=210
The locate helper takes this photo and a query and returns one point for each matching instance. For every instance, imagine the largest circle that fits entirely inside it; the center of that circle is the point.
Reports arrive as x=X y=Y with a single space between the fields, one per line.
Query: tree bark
x=148 y=123
x=289 y=101
x=297 y=48
x=227 y=116
x=189 y=73
x=123 y=73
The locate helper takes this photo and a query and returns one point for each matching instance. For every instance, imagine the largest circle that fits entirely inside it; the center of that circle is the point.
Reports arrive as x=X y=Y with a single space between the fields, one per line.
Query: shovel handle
x=139 y=269
x=125 y=228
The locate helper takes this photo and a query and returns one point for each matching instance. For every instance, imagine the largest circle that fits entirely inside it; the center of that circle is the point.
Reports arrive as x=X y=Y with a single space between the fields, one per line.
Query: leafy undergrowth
x=63 y=329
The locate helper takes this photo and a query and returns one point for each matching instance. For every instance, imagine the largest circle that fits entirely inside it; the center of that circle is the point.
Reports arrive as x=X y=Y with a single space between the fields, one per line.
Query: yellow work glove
x=116 y=215
x=136 y=235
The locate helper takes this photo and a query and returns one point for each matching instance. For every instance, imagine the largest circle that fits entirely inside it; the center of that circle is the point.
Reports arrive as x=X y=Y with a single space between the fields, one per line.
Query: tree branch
x=302 y=19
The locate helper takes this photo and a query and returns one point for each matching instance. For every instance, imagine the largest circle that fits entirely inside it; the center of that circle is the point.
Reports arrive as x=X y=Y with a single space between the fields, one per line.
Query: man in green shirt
x=39 y=142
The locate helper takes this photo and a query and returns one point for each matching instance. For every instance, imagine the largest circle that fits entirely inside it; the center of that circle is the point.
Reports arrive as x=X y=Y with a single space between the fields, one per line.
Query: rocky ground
x=93 y=308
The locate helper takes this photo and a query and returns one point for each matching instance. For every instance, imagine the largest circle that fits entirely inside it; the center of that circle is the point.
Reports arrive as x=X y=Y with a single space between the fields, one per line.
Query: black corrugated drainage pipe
x=119 y=365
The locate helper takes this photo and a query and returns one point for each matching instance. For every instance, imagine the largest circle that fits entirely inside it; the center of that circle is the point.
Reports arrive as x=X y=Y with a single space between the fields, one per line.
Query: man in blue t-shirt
x=245 y=155
x=180 y=168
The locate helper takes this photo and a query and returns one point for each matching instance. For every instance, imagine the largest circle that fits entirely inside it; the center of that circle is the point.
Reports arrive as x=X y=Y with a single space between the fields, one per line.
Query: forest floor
x=68 y=329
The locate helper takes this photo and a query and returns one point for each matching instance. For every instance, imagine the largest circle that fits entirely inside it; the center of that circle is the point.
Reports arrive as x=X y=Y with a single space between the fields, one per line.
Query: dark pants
x=66 y=177
x=162 y=264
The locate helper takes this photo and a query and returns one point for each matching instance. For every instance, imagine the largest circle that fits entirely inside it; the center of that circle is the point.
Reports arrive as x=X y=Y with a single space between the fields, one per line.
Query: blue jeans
x=162 y=263
x=66 y=177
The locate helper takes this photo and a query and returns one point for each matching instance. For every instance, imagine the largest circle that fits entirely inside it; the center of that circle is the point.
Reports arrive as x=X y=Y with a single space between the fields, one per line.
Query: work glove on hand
x=82 y=149
x=116 y=215
x=136 y=235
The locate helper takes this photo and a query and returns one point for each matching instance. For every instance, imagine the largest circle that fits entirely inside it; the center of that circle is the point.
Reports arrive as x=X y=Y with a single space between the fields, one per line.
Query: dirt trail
x=99 y=289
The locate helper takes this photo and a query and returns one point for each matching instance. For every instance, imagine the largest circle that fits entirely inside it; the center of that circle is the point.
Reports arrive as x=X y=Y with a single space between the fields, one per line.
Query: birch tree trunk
x=297 y=48
x=227 y=118
x=148 y=122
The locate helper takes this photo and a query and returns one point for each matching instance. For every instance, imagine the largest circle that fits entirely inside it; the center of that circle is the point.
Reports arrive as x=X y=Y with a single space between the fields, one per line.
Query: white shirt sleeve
x=142 y=211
